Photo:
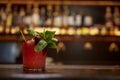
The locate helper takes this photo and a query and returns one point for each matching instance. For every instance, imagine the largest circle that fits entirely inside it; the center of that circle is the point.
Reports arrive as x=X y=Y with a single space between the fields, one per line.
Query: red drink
x=33 y=60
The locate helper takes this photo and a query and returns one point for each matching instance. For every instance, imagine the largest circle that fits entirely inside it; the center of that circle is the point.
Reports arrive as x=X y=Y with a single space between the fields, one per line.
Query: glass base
x=33 y=70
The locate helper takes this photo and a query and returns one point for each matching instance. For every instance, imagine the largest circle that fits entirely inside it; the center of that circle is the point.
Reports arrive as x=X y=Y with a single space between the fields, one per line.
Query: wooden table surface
x=61 y=72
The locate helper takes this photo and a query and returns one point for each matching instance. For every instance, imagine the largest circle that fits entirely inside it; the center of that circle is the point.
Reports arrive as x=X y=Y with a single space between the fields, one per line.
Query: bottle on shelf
x=87 y=23
x=78 y=22
x=9 y=17
x=15 y=18
x=49 y=18
x=21 y=18
x=42 y=17
x=108 y=18
x=65 y=17
x=27 y=19
x=36 y=16
x=71 y=19
x=116 y=17
x=78 y=19
x=1 y=23
x=88 y=20
x=3 y=19
x=57 y=20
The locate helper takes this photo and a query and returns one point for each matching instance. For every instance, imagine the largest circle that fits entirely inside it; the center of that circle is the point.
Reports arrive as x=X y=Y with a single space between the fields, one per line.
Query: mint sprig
x=47 y=39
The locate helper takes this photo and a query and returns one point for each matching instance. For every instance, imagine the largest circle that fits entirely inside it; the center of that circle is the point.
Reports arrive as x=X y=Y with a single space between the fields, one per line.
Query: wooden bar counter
x=61 y=72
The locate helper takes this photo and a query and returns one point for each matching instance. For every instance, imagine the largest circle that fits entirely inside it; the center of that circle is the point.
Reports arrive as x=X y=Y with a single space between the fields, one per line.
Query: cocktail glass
x=33 y=61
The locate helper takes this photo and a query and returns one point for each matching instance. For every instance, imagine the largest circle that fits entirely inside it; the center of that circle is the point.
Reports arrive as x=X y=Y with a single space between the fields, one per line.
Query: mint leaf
x=54 y=39
x=32 y=32
x=49 y=35
x=52 y=45
x=42 y=35
x=41 y=45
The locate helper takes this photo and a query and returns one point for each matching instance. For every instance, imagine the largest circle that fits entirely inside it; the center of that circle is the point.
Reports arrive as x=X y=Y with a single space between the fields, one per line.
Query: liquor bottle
x=57 y=21
x=2 y=20
x=21 y=18
x=3 y=15
x=15 y=17
x=71 y=19
x=27 y=19
x=35 y=16
x=42 y=17
x=87 y=23
x=116 y=17
x=78 y=19
x=65 y=17
x=49 y=18
x=9 y=17
x=108 y=17
x=88 y=20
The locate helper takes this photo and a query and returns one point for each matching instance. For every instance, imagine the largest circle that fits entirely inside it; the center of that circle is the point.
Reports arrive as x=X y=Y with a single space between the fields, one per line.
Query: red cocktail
x=34 y=50
x=33 y=60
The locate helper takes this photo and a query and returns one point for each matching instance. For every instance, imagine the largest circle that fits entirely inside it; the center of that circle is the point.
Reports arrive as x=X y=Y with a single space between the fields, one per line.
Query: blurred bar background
x=88 y=30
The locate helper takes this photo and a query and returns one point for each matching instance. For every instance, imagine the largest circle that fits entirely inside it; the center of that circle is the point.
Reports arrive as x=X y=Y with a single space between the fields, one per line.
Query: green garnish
x=47 y=39
x=31 y=32
x=41 y=45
